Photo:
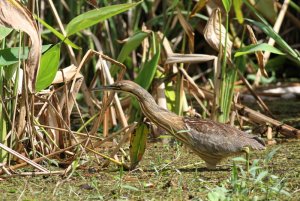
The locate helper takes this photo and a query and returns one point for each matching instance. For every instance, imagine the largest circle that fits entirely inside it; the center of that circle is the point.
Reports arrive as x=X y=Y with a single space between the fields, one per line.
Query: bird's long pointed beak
x=105 y=88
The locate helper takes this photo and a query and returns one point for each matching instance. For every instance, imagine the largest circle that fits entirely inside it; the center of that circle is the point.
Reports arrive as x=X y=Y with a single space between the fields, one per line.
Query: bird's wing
x=218 y=137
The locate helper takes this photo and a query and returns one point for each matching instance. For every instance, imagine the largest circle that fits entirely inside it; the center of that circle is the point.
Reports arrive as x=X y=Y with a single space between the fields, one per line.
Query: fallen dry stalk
x=59 y=172
x=37 y=160
x=257 y=117
x=65 y=130
x=260 y=102
x=254 y=116
x=111 y=136
x=126 y=136
x=28 y=161
x=108 y=158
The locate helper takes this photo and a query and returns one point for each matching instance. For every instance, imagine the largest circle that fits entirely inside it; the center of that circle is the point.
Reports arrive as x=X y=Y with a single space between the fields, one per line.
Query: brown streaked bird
x=210 y=140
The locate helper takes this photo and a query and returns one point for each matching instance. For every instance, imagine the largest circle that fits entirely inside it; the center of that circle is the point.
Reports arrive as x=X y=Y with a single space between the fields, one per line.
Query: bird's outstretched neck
x=160 y=116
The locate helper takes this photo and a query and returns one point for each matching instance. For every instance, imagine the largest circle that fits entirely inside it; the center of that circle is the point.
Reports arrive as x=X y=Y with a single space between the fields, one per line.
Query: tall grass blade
x=58 y=34
x=257 y=47
x=265 y=27
x=261 y=176
x=237 y=5
x=3 y=132
x=227 y=5
x=271 y=154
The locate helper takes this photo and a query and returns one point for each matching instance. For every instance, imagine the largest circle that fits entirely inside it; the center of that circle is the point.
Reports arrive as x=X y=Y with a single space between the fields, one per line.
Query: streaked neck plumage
x=160 y=116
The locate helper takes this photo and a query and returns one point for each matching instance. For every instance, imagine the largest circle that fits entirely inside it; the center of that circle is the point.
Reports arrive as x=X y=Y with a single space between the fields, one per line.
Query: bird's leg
x=247 y=152
x=211 y=166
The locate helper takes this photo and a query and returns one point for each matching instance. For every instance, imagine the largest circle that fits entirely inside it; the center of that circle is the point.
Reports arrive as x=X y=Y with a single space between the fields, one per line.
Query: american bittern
x=210 y=140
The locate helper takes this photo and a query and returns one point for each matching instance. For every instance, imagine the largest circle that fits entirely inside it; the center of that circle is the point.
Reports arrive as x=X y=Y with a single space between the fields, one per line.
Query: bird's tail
x=258 y=144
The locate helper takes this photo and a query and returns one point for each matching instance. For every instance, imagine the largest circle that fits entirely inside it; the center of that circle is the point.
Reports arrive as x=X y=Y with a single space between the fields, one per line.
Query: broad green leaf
x=147 y=73
x=237 y=5
x=95 y=16
x=57 y=34
x=257 y=47
x=132 y=43
x=227 y=5
x=9 y=71
x=48 y=67
x=4 y=31
x=10 y=56
x=138 y=145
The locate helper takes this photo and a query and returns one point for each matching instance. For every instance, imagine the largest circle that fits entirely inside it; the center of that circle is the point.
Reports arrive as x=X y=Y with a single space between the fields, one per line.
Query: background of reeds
x=49 y=114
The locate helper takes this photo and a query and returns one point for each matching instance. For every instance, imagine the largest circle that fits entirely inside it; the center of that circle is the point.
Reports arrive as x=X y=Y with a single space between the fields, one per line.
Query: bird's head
x=123 y=85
